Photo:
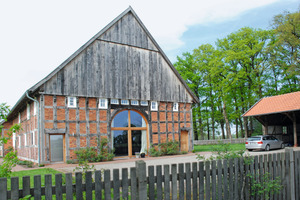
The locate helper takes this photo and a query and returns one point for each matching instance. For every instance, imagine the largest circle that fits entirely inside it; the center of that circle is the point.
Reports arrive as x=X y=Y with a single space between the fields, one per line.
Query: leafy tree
x=10 y=160
x=287 y=30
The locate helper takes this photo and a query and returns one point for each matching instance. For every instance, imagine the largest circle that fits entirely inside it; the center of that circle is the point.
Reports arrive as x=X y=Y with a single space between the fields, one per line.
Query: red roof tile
x=275 y=104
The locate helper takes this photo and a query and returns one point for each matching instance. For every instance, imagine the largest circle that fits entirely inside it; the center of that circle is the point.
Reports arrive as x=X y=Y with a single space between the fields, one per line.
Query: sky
x=37 y=36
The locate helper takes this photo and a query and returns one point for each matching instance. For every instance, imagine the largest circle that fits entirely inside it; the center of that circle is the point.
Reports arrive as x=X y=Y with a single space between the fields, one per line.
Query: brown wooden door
x=184 y=143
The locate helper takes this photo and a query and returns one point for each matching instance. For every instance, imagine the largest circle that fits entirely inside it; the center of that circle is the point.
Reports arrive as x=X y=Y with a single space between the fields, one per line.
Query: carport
x=279 y=115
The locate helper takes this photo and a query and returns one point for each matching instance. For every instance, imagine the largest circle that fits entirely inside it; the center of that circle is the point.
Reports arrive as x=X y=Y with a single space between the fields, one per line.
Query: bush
x=86 y=154
x=28 y=164
x=90 y=154
x=167 y=148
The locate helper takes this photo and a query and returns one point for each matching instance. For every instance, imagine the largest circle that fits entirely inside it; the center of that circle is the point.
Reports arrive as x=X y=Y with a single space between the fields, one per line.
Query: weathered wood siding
x=122 y=63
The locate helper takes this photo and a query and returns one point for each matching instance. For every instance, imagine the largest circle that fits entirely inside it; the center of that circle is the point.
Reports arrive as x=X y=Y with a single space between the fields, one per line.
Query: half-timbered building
x=119 y=85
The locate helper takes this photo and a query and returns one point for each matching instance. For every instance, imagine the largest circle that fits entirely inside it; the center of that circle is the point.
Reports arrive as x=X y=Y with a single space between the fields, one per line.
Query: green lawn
x=201 y=148
x=32 y=173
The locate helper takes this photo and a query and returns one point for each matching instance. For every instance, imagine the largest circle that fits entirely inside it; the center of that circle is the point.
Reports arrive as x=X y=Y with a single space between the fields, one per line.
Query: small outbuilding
x=119 y=85
x=279 y=115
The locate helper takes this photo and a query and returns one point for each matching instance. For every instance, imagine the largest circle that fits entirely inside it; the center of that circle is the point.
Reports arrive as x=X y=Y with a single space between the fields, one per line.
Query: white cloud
x=36 y=36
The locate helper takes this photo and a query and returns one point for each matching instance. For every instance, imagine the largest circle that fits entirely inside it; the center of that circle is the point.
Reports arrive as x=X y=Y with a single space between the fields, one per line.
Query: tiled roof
x=275 y=104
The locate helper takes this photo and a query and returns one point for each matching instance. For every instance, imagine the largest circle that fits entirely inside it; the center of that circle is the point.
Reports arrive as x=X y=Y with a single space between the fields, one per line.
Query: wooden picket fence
x=221 y=179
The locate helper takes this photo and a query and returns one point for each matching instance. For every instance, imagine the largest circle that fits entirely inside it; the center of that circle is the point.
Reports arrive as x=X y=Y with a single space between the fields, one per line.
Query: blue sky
x=208 y=33
x=37 y=36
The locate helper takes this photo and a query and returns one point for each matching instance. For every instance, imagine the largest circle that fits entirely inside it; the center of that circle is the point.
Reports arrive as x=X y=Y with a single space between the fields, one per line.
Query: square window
x=154 y=105
x=103 y=103
x=114 y=101
x=72 y=102
x=175 y=107
x=284 y=130
x=134 y=102
x=144 y=103
x=124 y=102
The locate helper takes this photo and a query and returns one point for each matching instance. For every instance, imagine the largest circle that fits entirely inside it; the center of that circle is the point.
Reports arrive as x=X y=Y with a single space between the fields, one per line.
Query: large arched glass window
x=129 y=133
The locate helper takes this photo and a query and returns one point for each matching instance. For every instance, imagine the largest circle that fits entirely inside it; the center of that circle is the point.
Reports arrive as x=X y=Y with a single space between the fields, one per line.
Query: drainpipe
x=38 y=123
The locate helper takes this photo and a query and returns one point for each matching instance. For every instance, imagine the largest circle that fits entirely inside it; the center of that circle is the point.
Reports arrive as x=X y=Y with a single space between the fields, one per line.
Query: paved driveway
x=127 y=163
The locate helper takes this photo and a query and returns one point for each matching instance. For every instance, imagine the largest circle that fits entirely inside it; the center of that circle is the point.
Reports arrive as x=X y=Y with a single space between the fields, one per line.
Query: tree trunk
x=241 y=127
x=246 y=127
x=228 y=132
x=236 y=128
x=222 y=129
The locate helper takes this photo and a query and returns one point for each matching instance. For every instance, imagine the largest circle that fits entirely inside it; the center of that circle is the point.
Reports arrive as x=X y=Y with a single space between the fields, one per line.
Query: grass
x=32 y=173
x=209 y=147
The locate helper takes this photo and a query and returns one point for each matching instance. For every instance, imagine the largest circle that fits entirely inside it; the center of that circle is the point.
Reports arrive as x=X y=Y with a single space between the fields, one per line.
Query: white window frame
x=124 y=102
x=114 y=101
x=154 y=105
x=144 y=103
x=134 y=102
x=19 y=141
x=14 y=140
x=25 y=136
x=34 y=107
x=175 y=107
x=103 y=103
x=74 y=105
x=28 y=111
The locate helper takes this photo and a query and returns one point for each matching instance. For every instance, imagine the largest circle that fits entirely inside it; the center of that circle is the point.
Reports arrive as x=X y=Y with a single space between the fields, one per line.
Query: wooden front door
x=184 y=141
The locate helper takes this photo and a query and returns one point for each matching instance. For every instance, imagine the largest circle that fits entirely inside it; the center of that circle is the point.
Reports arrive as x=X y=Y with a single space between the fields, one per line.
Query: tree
x=287 y=30
x=10 y=159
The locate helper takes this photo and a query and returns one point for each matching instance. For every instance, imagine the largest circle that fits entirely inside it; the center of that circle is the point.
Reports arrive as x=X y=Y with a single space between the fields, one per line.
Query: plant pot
x=142 y=155
x=137 y=154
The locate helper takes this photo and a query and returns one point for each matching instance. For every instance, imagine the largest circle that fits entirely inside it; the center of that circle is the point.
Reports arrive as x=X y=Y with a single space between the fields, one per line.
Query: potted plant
x=142 y=155
x=137 y=154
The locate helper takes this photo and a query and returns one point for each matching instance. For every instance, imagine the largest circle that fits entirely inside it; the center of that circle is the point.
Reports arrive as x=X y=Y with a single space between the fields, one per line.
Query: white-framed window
x=125 y=102
x=33 y=138
x=28 y=111
x=175 y=106
x=72 y=102
x=14 y=140
x=134 y=102
x=144 y=103
x=103 y=103
x=25 y=137
x=19 y=138
x=154 y=105
x=114 y=101
x=19 y=117
x=34 y=107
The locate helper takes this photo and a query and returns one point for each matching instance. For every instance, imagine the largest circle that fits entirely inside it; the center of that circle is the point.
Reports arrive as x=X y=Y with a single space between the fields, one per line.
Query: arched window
x=129 y=133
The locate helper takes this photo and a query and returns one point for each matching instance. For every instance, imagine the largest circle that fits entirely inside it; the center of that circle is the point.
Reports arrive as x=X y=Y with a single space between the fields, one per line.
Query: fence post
x=142 y=179
x=292 y=172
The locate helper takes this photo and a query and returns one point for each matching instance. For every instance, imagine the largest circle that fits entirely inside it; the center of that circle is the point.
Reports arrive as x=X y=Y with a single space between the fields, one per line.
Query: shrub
x=9 y=161
x=90 y=154
x=86 y=154
x=167 y=148
x=28 y=164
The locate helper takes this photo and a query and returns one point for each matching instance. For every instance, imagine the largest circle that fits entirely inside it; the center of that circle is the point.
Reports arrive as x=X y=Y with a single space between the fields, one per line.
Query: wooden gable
x=122 y=61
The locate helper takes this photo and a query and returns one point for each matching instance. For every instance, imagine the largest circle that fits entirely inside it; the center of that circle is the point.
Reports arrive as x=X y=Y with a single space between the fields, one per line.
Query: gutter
x=38 y=123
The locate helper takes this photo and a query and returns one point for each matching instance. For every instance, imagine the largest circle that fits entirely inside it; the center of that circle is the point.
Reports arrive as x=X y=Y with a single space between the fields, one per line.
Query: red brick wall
x=28 y=133
x=166 y=122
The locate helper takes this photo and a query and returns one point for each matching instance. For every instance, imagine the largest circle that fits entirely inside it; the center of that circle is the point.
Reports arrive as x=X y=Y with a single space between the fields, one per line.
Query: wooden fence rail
x=221 y=179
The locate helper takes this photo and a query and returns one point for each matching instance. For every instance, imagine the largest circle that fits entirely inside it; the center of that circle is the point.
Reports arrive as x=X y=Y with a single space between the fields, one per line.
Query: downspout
x=38 y=123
